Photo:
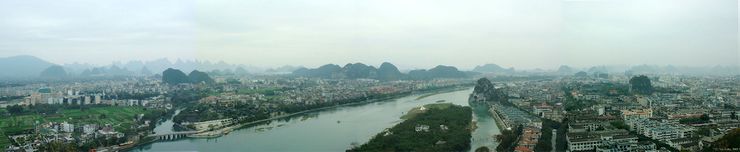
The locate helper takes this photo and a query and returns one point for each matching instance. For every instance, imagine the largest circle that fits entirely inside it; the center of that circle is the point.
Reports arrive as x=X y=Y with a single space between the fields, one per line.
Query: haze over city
x=525 y=34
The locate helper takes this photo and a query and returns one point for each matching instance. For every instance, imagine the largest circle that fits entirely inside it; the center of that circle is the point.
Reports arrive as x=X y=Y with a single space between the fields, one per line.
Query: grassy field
x=122 y=117
x=4 y=141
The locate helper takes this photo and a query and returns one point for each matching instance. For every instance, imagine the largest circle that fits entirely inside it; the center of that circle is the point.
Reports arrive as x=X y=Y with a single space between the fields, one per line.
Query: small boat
x=339 y=121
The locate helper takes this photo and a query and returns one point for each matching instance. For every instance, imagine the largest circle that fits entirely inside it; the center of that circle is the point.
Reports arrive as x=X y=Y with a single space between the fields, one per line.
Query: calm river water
x=334 y=129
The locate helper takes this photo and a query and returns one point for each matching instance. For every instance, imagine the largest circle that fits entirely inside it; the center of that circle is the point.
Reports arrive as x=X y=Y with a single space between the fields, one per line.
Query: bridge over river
x=173 y=135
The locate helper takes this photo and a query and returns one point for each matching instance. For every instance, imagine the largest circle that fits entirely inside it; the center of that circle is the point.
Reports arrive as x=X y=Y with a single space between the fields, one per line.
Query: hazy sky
x=410 y=33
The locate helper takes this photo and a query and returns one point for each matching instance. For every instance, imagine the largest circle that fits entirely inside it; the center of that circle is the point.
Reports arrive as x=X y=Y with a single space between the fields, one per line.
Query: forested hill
x=441 y=127
x=486 y=91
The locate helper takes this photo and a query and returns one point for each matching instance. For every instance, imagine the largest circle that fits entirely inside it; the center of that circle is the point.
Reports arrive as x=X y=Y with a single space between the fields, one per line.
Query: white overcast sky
x=410 y=33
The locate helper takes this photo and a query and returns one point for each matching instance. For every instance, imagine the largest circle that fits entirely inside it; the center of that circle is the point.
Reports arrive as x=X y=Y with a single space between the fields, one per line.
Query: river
x=335 y=129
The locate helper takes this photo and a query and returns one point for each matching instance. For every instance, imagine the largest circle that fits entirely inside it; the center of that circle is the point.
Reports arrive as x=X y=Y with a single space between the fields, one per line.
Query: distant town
x=607 y=112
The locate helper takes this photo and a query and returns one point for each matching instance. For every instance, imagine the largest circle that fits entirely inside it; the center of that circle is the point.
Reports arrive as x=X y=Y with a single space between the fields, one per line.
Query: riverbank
x=221 y=131
x=496 y=117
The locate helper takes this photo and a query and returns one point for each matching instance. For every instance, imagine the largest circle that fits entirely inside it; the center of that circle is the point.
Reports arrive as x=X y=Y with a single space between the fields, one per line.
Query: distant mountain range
x=493 y=68
x=386 y=72
x=175 y=76
x=439 y=71
x=53 y=72
x=651 y=69
x=22 y=66
x=30 y=67
x=282 y=70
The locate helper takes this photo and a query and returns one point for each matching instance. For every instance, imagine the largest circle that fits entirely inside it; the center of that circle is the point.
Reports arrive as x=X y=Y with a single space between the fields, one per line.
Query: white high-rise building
x=87 y=100
x=97 y=99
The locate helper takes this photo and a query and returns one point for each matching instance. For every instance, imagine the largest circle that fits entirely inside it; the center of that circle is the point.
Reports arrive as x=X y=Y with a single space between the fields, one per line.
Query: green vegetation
x=121 y=117
x=404 y=137
x=705 y=131
x=485 y=91
x=386 y=72
x=416 y=111
x=572 y=104
x=206 y=112
x=298 y=107
x=619 y=124
x=729 y=141
x=59 y=146
x=184 y=97
x=8 y=98
x=4 y=140
x=669 y=90
x=545 y=141
x=174 y=76
x=482 y=149
x=389 y=72
x=608 y=89
x=200 y=77
x=560 y=138
x=701 y=120
x=508 y=138
x=3 y=112
x=641 y=85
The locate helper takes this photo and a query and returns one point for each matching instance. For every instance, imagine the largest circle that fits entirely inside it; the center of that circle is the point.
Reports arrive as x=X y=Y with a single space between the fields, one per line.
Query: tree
x=15 y=109
x=728 y=141
x=482 y=149
x=619 y=124
x=641 y=85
